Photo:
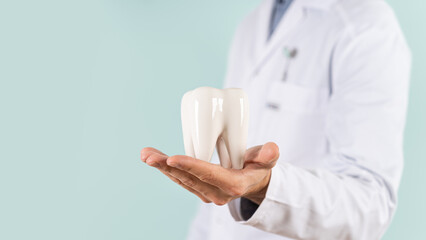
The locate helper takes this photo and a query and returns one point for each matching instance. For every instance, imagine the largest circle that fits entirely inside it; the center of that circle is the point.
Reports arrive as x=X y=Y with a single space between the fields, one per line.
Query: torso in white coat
x=290 y=96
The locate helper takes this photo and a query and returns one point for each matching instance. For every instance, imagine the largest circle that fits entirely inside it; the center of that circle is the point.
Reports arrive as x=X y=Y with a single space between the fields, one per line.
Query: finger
x=269 y=154
x=209 y=191
x=205 y=190
x=148 y=151
x=158 y=159
x=252 y=153
x=196 y=193
x=264 y=157
x=212 y=174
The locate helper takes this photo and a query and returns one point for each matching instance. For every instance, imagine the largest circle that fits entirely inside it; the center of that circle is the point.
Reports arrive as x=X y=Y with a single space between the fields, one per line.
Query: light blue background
x=86 y=84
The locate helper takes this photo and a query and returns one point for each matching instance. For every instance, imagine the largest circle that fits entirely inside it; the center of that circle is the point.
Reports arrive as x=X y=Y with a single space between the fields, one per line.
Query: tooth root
x=187 y=142
x=187 y=122
x=205 y=128
x=204 y=139
x=236 y=132
x=222 y=151
x=236 y=148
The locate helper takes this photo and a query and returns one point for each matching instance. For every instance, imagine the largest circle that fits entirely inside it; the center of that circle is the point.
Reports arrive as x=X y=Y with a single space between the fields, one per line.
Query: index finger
x=148 y=151
x=213 y=174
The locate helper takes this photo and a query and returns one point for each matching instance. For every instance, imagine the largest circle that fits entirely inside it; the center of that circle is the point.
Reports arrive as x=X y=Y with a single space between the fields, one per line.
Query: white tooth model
x=215 y=117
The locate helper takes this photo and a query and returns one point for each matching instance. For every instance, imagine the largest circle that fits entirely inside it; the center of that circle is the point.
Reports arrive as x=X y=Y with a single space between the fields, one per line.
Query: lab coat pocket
x=295 y=118
x=283 y=96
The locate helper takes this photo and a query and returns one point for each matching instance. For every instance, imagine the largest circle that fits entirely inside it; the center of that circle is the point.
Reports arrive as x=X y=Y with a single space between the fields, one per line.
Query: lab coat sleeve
x=353 y=196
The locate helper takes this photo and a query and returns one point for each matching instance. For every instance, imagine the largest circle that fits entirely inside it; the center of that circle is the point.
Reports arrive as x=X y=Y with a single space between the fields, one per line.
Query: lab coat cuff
x=265 y=206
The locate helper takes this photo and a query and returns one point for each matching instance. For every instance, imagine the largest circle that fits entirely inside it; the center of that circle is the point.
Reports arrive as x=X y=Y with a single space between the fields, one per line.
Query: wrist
x=259 y=193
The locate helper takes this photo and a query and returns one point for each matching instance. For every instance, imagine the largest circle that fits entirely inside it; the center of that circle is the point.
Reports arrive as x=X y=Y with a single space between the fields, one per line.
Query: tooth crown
x=215 y=117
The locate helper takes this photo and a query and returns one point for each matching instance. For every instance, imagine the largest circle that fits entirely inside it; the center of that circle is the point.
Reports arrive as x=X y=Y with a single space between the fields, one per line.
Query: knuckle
x=187 y=168
x=236 y=191
x=170 y=170
x=220 y=201
x=188 y=182
x=206 y=177
x=205 y=192
x=177 y=181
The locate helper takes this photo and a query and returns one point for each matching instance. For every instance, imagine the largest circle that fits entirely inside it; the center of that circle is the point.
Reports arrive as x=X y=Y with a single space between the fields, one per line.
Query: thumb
x=269 y=154
x=265 y=156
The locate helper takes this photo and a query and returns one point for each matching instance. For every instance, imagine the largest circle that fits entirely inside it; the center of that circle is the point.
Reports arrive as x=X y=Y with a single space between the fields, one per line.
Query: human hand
x=213 y=183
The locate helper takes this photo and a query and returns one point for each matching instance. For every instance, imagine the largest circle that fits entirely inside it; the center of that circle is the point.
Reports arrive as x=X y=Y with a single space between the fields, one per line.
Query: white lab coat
x=338 y=120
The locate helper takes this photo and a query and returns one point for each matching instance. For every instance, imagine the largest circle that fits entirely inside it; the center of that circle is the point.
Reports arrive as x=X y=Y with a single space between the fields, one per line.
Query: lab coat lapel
x=292 y=18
